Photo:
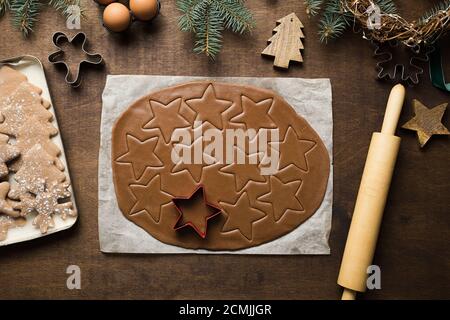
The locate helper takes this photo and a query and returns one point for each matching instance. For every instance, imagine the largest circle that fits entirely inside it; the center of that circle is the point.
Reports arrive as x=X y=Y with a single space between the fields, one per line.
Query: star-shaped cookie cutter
x=176 y=200
x=57 y=58
x=411 y=78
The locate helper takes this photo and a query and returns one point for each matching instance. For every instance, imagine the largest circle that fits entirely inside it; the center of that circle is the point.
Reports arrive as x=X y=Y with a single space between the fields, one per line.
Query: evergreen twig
x=189 y=9
x=4 y=5
x=441 y=6
x=64 y=6
x=331 y=26
x=313 y=6
x=235 y=15
x=334 y=20
x=208 y=18
x=209 y=38
x=24 y=14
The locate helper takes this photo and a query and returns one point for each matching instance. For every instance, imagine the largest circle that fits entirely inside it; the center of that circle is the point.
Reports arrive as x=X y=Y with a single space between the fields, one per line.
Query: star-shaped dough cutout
x=241 y=216
x=244 y=171
x=292 y=151
x=255 y=115
x=166 y=118
x=282 y=197
x=195 y=211
x=195 y=163
x=209 y=108
x=427 y=122
x=140 y=154
x=150 y=198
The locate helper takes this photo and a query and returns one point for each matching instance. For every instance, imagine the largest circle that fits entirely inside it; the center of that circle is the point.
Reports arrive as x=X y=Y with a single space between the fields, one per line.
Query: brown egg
x=144 y=10
x=105 y=2
x=116 y=17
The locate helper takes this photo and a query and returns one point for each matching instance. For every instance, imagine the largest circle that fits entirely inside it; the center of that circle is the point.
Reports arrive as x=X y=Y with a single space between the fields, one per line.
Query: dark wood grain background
x=413 y=250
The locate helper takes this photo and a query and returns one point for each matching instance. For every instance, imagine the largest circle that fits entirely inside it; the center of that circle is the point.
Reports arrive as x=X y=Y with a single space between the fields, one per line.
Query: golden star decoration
x=427 y=122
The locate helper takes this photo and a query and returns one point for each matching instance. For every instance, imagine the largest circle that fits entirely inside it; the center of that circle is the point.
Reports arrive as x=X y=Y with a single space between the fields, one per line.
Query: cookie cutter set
x=57 y=58
x=33 y=69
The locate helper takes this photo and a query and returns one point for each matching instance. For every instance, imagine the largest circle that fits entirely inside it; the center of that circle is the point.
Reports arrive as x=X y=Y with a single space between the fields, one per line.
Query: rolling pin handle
x=348 y=294
x=393 y=109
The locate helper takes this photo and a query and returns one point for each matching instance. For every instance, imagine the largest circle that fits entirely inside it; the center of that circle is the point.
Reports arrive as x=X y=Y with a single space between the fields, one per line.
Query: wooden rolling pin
x=371 y=200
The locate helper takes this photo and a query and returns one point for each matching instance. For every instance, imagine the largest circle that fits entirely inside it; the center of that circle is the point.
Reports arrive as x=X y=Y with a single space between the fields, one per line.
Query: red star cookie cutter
x=178 y=201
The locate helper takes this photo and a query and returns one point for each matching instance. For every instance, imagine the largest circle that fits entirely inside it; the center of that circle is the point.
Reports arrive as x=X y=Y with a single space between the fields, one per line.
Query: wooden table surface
x=413 y=249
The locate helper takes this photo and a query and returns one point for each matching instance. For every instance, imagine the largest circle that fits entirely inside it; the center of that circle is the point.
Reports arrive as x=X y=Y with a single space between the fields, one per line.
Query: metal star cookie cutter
x=199 y=188
x=406 y=75
x=57 y=58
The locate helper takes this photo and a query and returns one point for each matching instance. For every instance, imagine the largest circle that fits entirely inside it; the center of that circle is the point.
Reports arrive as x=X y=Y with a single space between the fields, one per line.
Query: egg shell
x=144 y=10
x=116 y=17
x=104 y=2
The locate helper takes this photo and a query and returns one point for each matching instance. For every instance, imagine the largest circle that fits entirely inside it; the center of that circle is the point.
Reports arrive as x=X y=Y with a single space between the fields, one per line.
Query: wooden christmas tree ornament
x=427 y=122
x=286 y=43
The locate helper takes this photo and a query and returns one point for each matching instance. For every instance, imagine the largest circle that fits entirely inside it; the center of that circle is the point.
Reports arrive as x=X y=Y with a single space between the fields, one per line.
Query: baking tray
x=32 y=67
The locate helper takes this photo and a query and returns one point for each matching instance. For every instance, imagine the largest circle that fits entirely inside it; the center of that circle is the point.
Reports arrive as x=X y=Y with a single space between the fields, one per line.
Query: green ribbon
x=437 y=71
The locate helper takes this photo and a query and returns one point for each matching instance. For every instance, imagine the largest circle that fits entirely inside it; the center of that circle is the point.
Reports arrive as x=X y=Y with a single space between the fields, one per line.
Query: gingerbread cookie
x=25 y=116
x=261 y=167
x=41 y=186
x=37 y=166
x=7 y=153
x=7 y=206
x=9 y=81
x=6 y=223
x=45 y=204
x=23 y=101
x=32 y=133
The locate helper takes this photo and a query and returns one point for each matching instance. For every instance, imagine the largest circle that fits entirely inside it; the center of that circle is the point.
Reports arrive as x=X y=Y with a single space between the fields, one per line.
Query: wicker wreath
x=424 y=31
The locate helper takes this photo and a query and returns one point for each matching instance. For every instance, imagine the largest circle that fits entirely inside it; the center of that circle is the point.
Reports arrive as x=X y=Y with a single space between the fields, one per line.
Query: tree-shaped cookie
x=8 y=212
x=286 y=43
x=41 y=186
x=37 y=166
x=46 y=203
x=7 y=206
x=7 y=153
x=24 y=116
x=6 y=223
x=35 y=132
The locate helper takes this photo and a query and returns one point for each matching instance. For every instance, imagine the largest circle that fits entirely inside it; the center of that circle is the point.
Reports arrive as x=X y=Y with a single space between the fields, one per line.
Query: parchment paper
x=311 y=98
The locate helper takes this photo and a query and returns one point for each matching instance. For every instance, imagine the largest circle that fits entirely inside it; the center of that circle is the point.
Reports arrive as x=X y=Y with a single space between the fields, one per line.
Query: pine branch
x=387 y=6
x=332 y=26
x=334 y=20
x=4 y=5
x=64 y=6
x=24 y=14
x=334 y=8
x=208 y=18
x=441 y=6
x=189 y=9
x=313 y=7
x=235 y=15
x=208 y=27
